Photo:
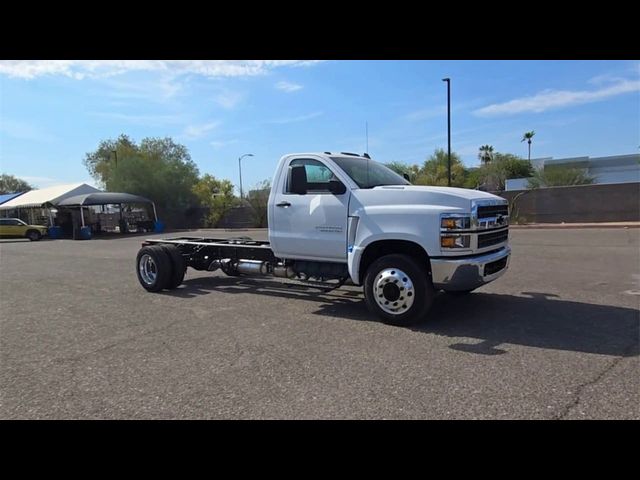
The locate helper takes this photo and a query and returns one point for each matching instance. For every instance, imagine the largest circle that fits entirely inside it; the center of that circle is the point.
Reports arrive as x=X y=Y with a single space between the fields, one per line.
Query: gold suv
x=16 y=228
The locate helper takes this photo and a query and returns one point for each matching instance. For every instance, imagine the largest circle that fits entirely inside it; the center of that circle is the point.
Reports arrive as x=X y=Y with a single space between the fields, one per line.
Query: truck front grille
x=489 y=211
x=492 y=238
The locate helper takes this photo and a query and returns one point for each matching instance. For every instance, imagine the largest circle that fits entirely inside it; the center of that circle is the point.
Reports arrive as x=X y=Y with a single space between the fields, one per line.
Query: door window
x=318 y=175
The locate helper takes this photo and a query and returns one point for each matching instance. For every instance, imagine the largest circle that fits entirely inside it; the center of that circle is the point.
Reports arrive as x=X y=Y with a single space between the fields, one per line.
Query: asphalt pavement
x=557 y=337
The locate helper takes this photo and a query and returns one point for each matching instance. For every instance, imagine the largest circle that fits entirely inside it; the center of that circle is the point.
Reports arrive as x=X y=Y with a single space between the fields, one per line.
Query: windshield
x=368 y=173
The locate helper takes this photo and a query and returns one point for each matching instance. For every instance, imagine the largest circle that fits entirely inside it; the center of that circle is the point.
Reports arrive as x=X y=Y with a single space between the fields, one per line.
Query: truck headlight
x=455 y=222
x=455 y=241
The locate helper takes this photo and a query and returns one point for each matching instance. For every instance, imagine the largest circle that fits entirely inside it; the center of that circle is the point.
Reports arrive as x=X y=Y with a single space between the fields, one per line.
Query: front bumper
x=456 y=274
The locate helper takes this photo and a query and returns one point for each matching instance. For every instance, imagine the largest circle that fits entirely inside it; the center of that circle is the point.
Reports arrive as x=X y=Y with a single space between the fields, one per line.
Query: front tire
x=33 y=235
x=398 y=290
x=153 y=267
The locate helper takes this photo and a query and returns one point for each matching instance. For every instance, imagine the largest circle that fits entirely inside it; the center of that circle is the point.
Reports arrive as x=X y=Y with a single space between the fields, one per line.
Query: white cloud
x=553 y=99
x=156 y=90
x=301 y=118
x=603 y=79
x=80 y=69
x=228 y=99
x=197 y=131
x=288 y=86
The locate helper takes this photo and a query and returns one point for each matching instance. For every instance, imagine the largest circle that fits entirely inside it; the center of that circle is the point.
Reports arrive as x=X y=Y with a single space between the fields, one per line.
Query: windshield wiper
x=383 y=185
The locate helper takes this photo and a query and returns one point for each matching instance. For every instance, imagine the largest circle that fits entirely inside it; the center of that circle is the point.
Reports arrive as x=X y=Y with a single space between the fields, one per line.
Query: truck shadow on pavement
x=531 y=319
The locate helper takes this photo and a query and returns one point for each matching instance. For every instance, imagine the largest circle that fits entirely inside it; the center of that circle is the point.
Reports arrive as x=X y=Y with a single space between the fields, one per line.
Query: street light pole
x=240 y=168
x=448 y=80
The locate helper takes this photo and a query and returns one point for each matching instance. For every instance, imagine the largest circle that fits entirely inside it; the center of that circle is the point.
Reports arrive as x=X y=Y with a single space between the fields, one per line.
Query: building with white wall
x=611 y=169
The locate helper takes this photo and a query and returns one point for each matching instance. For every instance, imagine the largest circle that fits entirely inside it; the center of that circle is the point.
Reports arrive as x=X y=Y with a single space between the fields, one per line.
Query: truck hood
x=417 y=196
x=450 y=191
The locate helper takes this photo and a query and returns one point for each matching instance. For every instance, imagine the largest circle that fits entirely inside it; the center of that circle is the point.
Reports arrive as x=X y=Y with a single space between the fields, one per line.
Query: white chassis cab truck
x=343 y=217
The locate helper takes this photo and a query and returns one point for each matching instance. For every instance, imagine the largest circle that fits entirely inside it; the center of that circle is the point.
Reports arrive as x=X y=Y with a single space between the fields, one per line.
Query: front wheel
x=398 y=290
x=33 y=235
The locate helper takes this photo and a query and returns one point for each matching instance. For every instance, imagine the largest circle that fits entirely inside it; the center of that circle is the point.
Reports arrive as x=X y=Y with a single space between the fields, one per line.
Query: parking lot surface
x=557 y=337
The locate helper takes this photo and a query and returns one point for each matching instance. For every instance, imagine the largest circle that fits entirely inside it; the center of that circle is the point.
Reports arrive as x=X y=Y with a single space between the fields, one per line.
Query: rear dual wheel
x=159 y=267
x=178 y=266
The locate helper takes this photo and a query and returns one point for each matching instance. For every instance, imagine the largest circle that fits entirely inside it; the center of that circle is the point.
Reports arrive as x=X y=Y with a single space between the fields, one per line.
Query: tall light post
x=240 y=168
x=448 y=80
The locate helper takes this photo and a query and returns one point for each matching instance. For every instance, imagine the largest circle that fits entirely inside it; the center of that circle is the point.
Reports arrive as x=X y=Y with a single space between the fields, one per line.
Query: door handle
x=283 y=204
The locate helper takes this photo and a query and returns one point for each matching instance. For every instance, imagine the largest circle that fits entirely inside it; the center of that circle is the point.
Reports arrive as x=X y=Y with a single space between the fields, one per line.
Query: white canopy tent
x=47 y=197
x=41 y=197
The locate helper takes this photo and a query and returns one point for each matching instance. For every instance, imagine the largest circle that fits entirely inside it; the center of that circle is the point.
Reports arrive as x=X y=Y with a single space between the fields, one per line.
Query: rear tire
x=178 y=266
x=153 y=267
x=398 y=290
x=33 y=235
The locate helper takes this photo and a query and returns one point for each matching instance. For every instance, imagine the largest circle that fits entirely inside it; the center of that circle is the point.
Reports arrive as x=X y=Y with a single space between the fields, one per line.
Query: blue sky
x=53 y=112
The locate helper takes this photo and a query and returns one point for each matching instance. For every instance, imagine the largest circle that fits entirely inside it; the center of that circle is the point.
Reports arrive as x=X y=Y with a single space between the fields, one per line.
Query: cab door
x=312 y=225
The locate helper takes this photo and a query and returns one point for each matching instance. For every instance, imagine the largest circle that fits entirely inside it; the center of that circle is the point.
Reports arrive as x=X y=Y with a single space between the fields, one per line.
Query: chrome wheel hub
x=393 y=291
x=148 y=269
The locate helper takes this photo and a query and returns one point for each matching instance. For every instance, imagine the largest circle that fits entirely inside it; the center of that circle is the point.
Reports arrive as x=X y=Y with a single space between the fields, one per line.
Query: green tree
x=157 y=168
x=485 y=154
x=402 y=168
x=12 y=184
x=504 y=166
x=217 y=195
x=559 y=176
x=434 y=170
x=473 y=178
x=528 y=136
x=258 y=198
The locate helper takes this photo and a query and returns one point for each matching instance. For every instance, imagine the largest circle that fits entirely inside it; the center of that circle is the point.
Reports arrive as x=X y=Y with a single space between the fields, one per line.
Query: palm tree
x=528 y=136
x=485 y=154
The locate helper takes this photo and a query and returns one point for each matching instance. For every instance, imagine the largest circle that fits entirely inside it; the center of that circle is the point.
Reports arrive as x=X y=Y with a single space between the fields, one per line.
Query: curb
x=560 y=226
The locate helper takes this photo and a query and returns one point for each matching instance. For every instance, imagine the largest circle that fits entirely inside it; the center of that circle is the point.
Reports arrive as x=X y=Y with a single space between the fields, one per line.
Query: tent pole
x=154 y=211
x=82 y=216
x=50 y=218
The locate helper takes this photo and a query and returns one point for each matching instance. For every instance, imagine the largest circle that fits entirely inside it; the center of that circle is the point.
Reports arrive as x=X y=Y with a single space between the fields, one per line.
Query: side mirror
x=298 y=180
x=337 y=187
x=406 y=177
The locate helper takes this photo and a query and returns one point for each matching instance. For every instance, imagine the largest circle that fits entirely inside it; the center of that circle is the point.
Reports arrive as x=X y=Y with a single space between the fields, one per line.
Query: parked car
x=16 y=228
